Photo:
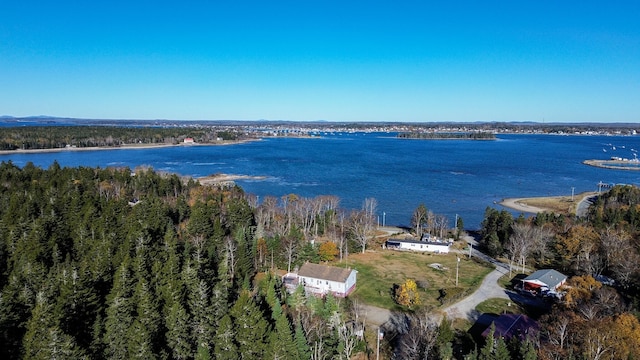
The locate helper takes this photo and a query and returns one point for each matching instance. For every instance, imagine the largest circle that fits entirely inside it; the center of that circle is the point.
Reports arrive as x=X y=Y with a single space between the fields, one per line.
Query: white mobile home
x=440 y=247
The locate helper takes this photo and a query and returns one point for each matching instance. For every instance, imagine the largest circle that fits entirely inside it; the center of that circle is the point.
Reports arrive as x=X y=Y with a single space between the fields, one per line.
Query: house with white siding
x=322 y=279
x=433 y=245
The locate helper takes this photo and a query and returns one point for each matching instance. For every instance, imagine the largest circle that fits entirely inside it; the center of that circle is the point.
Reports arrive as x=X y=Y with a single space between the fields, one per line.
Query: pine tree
x=250 y=326
x=44 y=339
x=224 y=345
x=140 y=343
x=501 y=352
x=178 y=336
x=120 y=313
x=527 y=351
x=486 y=353
x=301 y=343
x=77 y=304
x=201 y=321
x=144 y=332
x=281 y=342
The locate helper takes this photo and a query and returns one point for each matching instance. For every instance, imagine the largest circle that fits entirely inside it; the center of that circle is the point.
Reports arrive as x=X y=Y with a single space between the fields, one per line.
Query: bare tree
x=418 y=339
x=419 y=219
x=290 y=245
x=199 y=248
x=230 y=249
x=370 y=206
x=519 y=245
x=431 y=221
x=627 y=267
x=305 y=211
x=360 y=227
x=596 y=344
x=524 y=240
x=441 y=223
x=347 y=335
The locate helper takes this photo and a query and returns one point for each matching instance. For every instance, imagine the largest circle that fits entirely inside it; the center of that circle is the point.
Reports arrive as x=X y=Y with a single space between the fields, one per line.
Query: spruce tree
x=501 y=352
x=120 y=313
x=178 y=337
x=301 y=342
x=527 y=350
x=250 y=326
x=224 y=344
x=486 y=353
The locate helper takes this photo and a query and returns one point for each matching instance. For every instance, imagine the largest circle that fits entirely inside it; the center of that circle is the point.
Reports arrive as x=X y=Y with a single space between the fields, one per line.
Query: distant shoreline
x=122 y=147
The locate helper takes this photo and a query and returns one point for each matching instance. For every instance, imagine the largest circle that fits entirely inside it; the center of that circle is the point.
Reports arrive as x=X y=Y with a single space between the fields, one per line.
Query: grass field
x=499 y=306
x=379 y=271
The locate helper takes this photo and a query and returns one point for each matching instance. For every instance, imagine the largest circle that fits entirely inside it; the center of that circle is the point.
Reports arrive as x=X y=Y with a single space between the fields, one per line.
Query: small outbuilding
x=322 y=279
x=543 y=281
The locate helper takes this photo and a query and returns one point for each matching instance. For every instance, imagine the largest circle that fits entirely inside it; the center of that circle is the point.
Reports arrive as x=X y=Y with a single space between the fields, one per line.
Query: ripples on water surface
x=449 y=176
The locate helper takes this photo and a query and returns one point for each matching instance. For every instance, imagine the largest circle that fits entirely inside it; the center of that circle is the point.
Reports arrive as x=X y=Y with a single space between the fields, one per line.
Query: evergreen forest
x=58 y=137
x=122 y=263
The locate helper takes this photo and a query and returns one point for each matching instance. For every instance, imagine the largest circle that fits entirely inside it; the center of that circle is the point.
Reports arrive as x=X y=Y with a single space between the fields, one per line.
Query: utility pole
x=457 y=267
x=380 y=335
x=384 y=215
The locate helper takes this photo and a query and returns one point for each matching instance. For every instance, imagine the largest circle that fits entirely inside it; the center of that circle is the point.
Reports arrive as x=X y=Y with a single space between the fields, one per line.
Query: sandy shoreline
x=519 y=204
x=563 y=204
x=226 y=178
x=121 y=147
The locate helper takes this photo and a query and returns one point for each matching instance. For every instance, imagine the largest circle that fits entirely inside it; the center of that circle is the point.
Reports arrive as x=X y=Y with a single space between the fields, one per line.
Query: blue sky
x=322 y=60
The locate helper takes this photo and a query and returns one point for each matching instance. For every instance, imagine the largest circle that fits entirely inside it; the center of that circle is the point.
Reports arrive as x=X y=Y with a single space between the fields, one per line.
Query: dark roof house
x=508 y=326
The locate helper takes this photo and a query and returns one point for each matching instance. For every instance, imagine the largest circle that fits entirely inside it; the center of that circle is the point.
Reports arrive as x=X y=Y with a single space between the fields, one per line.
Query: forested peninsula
x=61 y=137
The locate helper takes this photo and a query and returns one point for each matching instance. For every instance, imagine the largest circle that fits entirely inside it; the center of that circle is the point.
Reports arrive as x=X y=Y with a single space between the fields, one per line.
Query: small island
x=448 y=135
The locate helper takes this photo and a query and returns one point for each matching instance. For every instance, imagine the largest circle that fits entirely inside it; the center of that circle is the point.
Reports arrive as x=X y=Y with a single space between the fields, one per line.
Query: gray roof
x=407 y=241
x=549 y=277
x=324 y=272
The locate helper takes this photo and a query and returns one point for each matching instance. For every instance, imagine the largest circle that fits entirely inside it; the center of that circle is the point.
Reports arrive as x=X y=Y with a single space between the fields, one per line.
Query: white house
x=440 y=247
x=322 y=279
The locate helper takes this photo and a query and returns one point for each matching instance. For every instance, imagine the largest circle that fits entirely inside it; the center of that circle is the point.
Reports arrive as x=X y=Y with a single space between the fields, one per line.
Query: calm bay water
x=451 y=177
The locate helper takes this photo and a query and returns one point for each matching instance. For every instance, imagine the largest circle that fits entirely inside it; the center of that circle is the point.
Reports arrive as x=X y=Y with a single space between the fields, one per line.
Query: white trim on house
x=322 y=279
x=440 y=247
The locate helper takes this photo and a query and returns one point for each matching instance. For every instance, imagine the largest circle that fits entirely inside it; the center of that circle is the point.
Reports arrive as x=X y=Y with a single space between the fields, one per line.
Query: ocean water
x=450 y=177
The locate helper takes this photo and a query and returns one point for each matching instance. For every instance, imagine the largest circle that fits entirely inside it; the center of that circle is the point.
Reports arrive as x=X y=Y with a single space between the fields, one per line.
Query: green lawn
x=379 y=271
x=499 y=306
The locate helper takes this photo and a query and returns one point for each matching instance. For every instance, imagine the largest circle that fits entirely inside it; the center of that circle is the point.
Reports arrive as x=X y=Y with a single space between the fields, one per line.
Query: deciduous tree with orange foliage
x=328 y=251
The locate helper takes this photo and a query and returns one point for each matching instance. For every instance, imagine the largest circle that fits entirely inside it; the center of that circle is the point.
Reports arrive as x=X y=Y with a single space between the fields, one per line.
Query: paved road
x=583 y=205
x=464 y=308
x=489 y=289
